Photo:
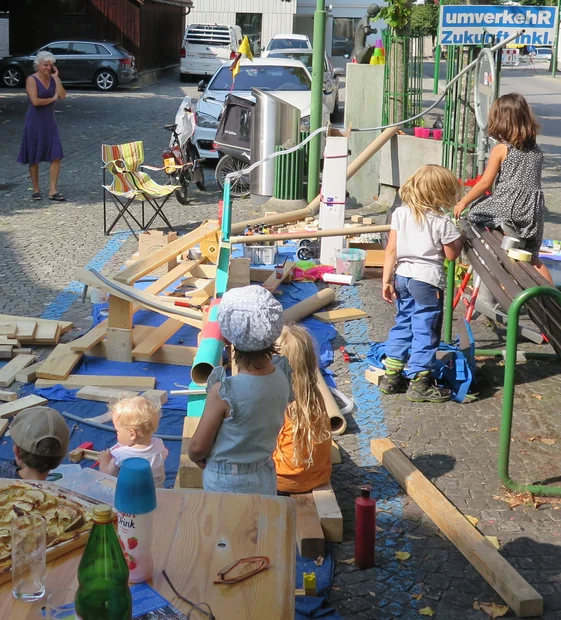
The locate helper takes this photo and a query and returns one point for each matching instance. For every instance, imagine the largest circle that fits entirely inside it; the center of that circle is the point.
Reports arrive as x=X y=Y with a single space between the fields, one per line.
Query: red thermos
x=365 y=531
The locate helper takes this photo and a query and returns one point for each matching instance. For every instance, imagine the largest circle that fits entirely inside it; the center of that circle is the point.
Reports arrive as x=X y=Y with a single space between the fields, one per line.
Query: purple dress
x=41 y=141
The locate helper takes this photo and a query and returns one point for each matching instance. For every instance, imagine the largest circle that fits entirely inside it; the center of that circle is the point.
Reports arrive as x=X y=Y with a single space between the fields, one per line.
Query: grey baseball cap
x=37 y=423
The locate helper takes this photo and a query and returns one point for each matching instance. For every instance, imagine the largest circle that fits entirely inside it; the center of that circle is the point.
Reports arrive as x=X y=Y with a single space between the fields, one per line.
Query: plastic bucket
x=351 y=262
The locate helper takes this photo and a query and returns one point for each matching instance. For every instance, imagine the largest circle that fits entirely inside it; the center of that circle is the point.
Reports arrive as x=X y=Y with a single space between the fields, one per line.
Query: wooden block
x=28 y=374
x=309 y=534
x=89 y=340
x=157 y=396
x=8 y=330
x=204 y=270
x=26 y=329
x=177 y=354
x=13 y=408
x=375 y=254
x=374 y=375
x=357 y=219
x=342 y=314
x=8 y=396
x=119 y=344
x=74 y=382
x=335 y=453
x=120 y=313
x=189 y=475
x=157 y=338
x=329 y=513
x=46 y=333
x=6 y=351
x=4 y=427
x=103 y=395
x=60 y=363
x=239 y=273
x=367 y=221
x=10 y=370
x=12 y=342
x=518 y=594
x=22 y=351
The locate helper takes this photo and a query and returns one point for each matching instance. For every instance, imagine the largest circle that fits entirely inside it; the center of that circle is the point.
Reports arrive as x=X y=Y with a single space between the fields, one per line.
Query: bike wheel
x=182 y=192
x=227 y=164
x=202 y=183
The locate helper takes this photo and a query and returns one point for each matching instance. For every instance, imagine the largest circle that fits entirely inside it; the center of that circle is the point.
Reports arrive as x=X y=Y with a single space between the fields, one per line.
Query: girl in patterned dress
x=515 y=168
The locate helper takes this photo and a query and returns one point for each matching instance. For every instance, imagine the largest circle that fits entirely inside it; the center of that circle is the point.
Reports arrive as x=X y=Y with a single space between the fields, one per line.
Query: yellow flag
x=245 y=48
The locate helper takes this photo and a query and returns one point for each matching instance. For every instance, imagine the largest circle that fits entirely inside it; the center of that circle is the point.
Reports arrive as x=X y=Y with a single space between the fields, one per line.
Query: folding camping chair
x=124 y=163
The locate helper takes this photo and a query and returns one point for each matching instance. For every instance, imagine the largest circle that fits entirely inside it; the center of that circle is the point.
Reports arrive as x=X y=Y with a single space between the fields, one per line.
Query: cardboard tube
x=312 y=234
x=338 y=422
x=313 y=207
x=308 y=306
x=209 y=352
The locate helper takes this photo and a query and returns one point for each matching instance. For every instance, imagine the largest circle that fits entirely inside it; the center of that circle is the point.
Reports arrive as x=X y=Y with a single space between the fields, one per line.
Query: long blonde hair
x=308 y=414
x=431 y=188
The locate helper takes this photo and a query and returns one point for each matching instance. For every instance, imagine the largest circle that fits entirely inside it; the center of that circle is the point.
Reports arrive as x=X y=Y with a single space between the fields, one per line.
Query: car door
x=61 y=51
x=82 y=61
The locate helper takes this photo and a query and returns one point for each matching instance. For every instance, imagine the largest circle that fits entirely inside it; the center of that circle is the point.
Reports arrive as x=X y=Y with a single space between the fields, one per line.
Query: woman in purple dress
x=41 y=141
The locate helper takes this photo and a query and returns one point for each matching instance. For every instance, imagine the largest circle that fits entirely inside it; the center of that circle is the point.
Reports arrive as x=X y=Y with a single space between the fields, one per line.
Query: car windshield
x=304 y=58
x=265 y=77
x=288 y=44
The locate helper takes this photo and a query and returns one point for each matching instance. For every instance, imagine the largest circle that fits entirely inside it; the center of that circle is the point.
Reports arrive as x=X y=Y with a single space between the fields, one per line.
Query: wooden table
x=195 y=535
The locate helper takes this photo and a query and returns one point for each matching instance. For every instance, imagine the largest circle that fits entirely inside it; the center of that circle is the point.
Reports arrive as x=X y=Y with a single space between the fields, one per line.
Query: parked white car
x=289 y=79
x=330 y=75
x=206 y=47
x=285 y=42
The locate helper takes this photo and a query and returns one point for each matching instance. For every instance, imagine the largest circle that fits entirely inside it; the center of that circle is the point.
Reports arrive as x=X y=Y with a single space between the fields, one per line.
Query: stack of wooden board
x=18 y=333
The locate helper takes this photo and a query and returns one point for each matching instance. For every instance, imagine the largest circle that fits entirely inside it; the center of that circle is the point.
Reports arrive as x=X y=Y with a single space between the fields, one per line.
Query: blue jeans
x=259 y=477
x=418 y=324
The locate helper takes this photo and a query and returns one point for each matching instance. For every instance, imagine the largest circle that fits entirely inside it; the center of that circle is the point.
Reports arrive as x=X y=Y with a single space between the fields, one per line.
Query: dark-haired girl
x=515 y=168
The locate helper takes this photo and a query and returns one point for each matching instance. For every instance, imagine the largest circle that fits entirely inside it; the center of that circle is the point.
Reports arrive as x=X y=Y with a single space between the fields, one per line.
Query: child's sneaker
x=423 y=389
x=394 y=383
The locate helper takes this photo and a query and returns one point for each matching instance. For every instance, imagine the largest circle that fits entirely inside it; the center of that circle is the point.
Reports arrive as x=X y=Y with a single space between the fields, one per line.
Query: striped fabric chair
x=129 y=183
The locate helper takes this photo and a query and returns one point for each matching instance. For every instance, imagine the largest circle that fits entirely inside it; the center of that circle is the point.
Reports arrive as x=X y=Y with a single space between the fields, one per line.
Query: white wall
x=4 y=37
x=277 y=15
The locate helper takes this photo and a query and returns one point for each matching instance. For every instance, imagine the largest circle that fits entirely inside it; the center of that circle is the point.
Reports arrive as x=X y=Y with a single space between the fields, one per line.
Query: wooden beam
x=29 y=373
x=499 y=574
x=118 y=344
x=160 y=396
x=45 y=333
x=272 y=283
x=374 y=375
x=60 y=363
x=74 y=382
x=89 y=340
x=12 y=342
x=172 y=276
x=8 y=396
x=9 y=410
x=340 y=315
x=329 y=513
x=178 y=354
x=6 y=351
x=189 y=475
x=204 y=270
x=145 y=266
x=9 y=371
x=26 y=330
x=309 y=535
x=103 y=395
x=8 y=330
x=158 y=337
x=22 y=351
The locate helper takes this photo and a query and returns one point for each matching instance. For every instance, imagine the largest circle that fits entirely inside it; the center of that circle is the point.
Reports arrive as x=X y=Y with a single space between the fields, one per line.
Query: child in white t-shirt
x=136 y=419
x=421 y=235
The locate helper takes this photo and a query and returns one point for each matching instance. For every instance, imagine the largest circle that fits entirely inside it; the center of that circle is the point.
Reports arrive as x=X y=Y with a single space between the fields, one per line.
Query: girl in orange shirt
x=303 y=454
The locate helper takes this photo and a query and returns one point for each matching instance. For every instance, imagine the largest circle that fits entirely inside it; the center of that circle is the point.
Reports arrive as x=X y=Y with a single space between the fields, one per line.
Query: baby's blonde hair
x=138 y=413
x=431 y=188
x=307 y=412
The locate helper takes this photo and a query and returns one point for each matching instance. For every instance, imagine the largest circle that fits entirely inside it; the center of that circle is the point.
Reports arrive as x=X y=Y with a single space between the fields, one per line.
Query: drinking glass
x=60 y=605
x=29 y=564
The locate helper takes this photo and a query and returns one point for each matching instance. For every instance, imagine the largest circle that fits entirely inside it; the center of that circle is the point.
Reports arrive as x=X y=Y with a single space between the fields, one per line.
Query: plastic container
x=553 y=263
x=425 y=132
x=365 y=530
x=418 y=132
x=437 y=134
x=351 y=262
x=260 y=254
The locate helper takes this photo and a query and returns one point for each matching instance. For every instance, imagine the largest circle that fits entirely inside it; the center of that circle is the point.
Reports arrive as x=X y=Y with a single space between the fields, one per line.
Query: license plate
x=169 y=162
x=208 y=56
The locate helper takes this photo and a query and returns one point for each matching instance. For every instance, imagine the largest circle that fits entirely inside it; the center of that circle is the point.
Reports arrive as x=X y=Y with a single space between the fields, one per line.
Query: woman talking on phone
x=41 y=141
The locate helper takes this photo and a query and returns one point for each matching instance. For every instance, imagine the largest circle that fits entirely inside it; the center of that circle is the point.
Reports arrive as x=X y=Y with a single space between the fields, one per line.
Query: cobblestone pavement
x=42 y=245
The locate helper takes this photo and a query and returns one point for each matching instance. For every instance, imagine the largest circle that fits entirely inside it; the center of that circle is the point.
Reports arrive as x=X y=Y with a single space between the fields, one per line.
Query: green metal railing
x=404 y=55
x=290 y=173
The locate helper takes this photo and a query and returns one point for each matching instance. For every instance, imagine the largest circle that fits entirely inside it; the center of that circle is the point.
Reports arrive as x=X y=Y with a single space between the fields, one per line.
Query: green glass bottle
x=103 y=591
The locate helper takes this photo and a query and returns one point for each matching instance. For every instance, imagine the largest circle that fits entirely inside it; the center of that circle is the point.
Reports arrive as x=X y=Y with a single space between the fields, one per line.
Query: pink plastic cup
x=425 y=133
x=437 y=134
x=418 y=132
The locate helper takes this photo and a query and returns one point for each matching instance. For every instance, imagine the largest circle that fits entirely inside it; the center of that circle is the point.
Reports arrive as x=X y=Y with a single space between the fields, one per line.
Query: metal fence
x=290 y=173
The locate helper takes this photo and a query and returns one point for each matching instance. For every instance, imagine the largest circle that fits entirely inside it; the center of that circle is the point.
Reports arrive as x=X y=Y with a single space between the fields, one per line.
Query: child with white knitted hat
x=243 y=415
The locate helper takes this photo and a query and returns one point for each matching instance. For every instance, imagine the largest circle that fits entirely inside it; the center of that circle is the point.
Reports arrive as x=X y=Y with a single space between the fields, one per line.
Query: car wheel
x=105 y=80
x=12 y=77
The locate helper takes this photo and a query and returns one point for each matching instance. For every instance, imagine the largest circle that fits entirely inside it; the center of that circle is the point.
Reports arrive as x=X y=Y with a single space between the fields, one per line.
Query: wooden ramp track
x=506 y=278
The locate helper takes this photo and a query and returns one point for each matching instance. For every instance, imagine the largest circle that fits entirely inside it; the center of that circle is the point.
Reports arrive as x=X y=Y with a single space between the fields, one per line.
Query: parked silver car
x=105 y=65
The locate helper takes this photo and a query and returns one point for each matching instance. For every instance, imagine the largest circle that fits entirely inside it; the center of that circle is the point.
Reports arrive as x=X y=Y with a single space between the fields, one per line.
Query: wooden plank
x=172 y=276
x=8 y=396
x=26 y=329
x=6 y=351
x=120 y=313
x=45 y=333
x=189 y=474
x=329 y=513
x=272 y=283
x=118 y=343
x=342 y=314
x=309 y=535
x=13 y=408
x=29 y=373
x=204 y=270
x=103 y=395
x=157 y=396
x=9 y=319
x=178 y=354
x=145 y=266
x=10 y=370
x=60 y=363
x=4 y=426
x=158 y=337
x=74 y=382
x=8 y=329
x=12 y=342
x=501 y=576
x=22 y=351
x=335 y=453
x=89 y=340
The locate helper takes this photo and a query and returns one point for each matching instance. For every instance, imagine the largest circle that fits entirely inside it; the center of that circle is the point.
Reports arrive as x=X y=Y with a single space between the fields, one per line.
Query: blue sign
x=467 y=25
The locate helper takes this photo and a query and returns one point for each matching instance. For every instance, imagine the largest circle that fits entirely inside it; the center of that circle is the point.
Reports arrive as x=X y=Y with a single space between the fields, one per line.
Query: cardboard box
x=149 y=242
x=375 y=253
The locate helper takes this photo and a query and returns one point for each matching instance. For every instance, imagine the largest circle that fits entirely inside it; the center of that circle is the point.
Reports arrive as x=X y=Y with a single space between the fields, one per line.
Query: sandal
x=58 y=197
x=36 y=196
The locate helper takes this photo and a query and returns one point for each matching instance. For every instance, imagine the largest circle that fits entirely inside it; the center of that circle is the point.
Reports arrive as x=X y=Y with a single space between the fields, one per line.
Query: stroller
x=232 y=141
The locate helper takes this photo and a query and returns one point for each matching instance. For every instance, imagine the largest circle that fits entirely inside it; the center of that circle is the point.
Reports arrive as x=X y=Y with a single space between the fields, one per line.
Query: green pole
x=449 y=302
x=437 y=53
x=320 y=21
x=556 y=41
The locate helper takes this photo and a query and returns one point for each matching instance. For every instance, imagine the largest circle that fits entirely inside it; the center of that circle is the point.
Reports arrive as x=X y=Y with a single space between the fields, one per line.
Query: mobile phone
x=53 y=68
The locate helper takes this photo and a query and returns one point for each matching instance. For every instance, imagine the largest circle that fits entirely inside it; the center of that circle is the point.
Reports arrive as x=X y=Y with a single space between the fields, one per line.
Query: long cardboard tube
x=338 y=422
x=308 y=306
x=480 y=553
x=312 y=234
x=209 y=352
x=313 y=207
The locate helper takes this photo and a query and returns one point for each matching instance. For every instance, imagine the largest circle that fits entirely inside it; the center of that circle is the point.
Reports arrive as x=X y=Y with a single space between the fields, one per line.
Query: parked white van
x=206 y=47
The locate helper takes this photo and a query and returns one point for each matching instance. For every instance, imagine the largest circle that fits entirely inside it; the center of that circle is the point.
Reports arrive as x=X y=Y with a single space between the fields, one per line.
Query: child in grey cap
x=41 y=438
x=243 y=414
